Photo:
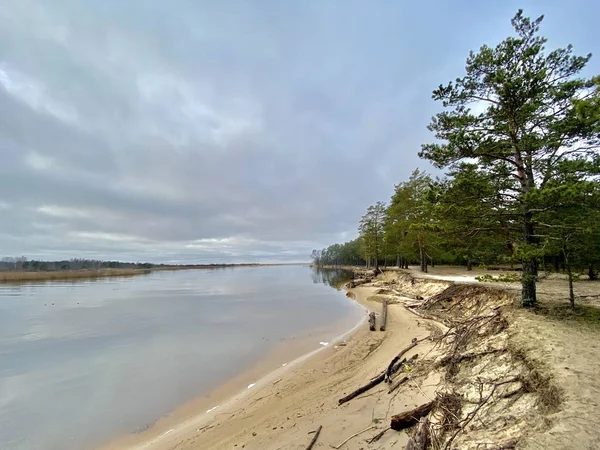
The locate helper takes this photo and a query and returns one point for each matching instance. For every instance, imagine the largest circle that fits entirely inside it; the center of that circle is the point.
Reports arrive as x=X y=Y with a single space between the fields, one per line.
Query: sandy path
x=280 y=411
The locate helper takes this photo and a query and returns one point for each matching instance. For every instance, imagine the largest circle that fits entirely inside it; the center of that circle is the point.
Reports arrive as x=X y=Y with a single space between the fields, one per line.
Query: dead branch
x=354 y=435
x=402 y=366
x=455 y=359
x=394 y=365
x=421 y=315
x=377 y=436
x=362 y=389
x=397 y=385
x=372 y=393
x=315 y=437
x=483 y=401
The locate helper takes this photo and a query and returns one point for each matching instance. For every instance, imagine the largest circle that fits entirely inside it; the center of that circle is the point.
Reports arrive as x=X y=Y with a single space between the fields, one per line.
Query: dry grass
x=10 y=277
x=580 y=315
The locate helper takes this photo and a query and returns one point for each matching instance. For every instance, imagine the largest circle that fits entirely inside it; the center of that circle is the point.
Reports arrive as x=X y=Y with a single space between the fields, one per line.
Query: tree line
x=518 y=139
x=22 y=263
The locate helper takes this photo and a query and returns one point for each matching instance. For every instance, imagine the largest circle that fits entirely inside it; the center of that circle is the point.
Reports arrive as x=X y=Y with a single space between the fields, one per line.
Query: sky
x=226 y=131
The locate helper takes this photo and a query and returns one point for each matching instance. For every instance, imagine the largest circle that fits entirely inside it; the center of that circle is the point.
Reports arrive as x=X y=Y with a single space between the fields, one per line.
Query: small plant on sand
x=505 y=278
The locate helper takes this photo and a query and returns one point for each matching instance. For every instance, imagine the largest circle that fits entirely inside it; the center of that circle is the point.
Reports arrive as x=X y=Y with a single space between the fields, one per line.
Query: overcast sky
x=201 y=131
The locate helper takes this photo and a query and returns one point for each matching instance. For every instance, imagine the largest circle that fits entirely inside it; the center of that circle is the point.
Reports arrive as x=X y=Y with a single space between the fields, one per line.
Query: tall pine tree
x=532 y=113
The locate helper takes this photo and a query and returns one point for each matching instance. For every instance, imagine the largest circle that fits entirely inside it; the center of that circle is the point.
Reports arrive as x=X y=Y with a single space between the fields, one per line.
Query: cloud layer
x=219 y=131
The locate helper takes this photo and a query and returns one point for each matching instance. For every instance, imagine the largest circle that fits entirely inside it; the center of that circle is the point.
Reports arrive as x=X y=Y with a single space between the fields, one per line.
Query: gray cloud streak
x=216 y=131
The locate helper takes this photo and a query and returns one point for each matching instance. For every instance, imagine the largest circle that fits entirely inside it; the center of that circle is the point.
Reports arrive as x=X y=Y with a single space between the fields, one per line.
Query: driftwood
x=404 y=363
x=372 y=321
x=315 y=437
x=408 y=418
x=392 y=368
x=384 y=306
x=374 y=382
x=397 y=385
x=395 y=365
x=420 y=440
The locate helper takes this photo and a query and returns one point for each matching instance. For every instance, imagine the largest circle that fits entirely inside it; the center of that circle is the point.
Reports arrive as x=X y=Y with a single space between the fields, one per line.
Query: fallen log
x=383 y=315
x=372 y=321
x=374 y=382
x=315 y=437
x=407 y=419
x=420 y=440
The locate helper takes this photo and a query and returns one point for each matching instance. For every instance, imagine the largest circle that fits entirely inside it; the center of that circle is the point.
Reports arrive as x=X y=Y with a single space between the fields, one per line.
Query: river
x=84 y=361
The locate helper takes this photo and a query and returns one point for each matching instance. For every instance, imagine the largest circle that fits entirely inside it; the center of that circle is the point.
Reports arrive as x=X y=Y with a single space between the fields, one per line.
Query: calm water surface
x=81 y=362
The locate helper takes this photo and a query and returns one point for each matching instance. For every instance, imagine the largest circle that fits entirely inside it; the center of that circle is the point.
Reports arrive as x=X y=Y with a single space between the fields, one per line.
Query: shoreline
x=291 y=387
x=250 y=380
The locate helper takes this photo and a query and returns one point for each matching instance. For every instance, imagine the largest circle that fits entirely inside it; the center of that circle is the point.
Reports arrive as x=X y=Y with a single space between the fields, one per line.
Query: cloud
x=205 y=131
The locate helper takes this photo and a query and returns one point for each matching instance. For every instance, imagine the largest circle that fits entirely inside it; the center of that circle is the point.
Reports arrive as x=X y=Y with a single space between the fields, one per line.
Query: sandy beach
x=281 y=409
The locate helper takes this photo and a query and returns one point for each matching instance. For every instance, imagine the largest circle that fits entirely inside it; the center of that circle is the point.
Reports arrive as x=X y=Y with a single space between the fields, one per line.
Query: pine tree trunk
x=469 y=264
x=530 y=266
x=570 y=274
x=591 y=273
x=398 y=260
x=571 y=293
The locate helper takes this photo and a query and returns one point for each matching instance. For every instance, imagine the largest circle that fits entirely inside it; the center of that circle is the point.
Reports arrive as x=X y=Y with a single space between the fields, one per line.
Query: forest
x=23 y=264
x=517 y=139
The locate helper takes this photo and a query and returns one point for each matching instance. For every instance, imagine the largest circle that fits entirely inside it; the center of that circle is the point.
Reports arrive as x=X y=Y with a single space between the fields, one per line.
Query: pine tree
x=532 y=114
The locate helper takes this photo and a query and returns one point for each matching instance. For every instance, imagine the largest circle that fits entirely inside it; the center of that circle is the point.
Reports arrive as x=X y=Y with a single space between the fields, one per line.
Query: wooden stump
x=408 y=418
x=420 y=440
x=383 y=315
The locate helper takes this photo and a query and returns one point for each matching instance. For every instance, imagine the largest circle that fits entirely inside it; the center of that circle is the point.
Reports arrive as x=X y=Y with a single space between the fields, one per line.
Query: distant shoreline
x=39 y=275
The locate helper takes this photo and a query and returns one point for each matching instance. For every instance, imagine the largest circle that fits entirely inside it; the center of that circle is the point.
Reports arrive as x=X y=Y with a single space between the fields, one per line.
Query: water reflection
x=330 y=277
x=136 y=348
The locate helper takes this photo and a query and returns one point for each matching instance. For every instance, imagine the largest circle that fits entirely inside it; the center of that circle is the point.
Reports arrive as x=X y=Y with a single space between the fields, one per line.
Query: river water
x=84 y=361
